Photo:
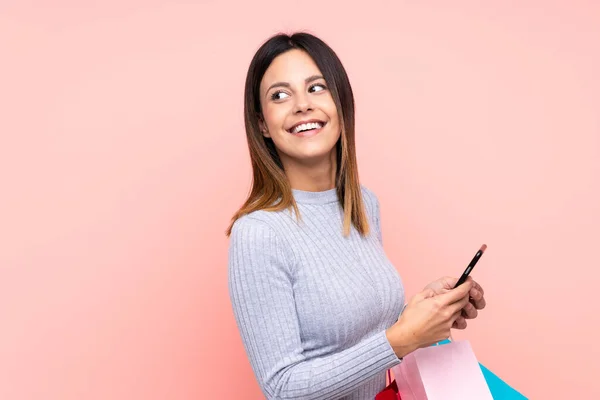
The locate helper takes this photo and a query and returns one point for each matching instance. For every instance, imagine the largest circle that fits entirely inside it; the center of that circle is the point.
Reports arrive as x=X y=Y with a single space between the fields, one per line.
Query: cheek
x=331 y=110
x=335 y=118
x=275 y=117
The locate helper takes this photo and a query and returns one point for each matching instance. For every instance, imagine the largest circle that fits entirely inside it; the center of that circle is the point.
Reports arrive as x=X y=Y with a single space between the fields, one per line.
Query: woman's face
x=299 y=113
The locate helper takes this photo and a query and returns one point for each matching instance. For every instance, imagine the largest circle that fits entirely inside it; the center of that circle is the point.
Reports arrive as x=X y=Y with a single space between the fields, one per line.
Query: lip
x=311 y=133
x=308 y=121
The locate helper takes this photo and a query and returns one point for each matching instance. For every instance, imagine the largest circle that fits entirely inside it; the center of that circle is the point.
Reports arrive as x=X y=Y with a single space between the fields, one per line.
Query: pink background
x=123 y=156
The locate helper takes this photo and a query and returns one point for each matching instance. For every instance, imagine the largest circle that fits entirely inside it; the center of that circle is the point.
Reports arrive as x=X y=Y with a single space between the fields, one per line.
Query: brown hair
x=269 y=181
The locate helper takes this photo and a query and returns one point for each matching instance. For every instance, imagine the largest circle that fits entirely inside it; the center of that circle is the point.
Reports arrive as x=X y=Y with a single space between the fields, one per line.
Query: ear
x=263 y=127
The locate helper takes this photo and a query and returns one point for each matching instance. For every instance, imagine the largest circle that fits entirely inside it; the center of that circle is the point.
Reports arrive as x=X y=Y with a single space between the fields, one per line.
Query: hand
x=428 y=318
x=476 y=299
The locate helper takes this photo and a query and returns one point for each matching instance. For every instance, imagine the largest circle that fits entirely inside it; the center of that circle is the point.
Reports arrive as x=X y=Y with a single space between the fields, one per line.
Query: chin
x=315 y=155
x=311 y=151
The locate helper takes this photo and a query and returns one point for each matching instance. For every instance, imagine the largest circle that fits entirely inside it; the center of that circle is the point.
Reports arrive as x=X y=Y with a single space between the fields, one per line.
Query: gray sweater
x=312 y=306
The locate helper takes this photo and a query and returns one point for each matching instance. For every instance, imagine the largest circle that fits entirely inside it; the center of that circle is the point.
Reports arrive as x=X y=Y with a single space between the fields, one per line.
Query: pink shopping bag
x=443 y=372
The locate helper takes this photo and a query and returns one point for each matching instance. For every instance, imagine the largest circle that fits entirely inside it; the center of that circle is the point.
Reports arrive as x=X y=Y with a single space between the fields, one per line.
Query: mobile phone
x=471 y=265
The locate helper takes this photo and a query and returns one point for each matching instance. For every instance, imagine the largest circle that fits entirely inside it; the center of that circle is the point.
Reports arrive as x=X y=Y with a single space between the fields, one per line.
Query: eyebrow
x=287 y=85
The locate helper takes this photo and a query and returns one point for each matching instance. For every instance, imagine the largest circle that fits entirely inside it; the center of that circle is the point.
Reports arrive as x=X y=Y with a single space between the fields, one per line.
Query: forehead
x=293 y=66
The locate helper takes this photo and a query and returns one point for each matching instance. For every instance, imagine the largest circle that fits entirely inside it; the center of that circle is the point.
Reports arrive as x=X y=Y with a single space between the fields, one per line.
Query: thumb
x=457 y=294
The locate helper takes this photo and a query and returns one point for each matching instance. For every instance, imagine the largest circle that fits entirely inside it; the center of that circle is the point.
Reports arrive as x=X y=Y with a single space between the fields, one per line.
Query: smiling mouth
x=306 y=127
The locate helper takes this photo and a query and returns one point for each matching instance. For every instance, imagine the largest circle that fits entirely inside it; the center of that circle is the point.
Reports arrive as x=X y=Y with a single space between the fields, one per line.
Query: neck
x=315 y=177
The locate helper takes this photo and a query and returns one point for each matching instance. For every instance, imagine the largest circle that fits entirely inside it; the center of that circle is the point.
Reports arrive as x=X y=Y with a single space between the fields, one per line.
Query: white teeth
x=306 y=127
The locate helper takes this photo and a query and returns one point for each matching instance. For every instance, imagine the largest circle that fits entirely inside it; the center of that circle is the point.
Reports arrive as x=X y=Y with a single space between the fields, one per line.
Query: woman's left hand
x=476 y=298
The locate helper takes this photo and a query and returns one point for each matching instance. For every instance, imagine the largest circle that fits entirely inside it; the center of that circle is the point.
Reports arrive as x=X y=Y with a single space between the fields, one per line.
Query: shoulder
x=370 y=198
x=259 y=221
x=260 y=230
x=253 y=226
x=255 y=246
x=372 y=208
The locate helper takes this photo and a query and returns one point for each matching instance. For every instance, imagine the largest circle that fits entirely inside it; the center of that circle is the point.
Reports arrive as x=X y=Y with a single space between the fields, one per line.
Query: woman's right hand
x=427 y=319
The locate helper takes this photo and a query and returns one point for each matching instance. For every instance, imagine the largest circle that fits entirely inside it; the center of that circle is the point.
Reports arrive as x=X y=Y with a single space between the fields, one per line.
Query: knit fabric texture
x=311 y=305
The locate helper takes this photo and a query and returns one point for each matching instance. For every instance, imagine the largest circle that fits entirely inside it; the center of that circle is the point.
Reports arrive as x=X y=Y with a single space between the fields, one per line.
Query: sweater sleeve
x=262 y=296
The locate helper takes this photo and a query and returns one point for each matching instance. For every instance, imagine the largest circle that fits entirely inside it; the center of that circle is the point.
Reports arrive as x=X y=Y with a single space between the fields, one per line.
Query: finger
x=479 y=304
x=478 y=287
x=469 y=311
x=458 y=306
x=460 y=323
x=428 y=293
x=456 y=295
x=476 y=297
x=476 y=291
x=449 y=282
x=456 y=316
x=424 y=294
x=475 y=294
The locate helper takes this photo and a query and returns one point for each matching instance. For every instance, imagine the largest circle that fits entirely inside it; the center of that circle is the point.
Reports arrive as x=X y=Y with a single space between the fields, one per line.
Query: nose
x=302 y=104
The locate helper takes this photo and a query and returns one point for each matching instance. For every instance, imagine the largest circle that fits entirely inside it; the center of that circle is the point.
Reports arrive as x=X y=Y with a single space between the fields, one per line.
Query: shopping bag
x=390 y=392
x=442 y=372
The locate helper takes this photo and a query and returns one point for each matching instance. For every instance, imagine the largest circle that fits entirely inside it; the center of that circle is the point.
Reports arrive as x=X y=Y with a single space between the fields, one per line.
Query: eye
x=318 y=87
x=279 y=95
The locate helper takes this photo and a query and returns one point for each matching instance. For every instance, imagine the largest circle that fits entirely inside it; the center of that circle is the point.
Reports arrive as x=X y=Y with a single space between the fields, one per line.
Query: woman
x=319 y=306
